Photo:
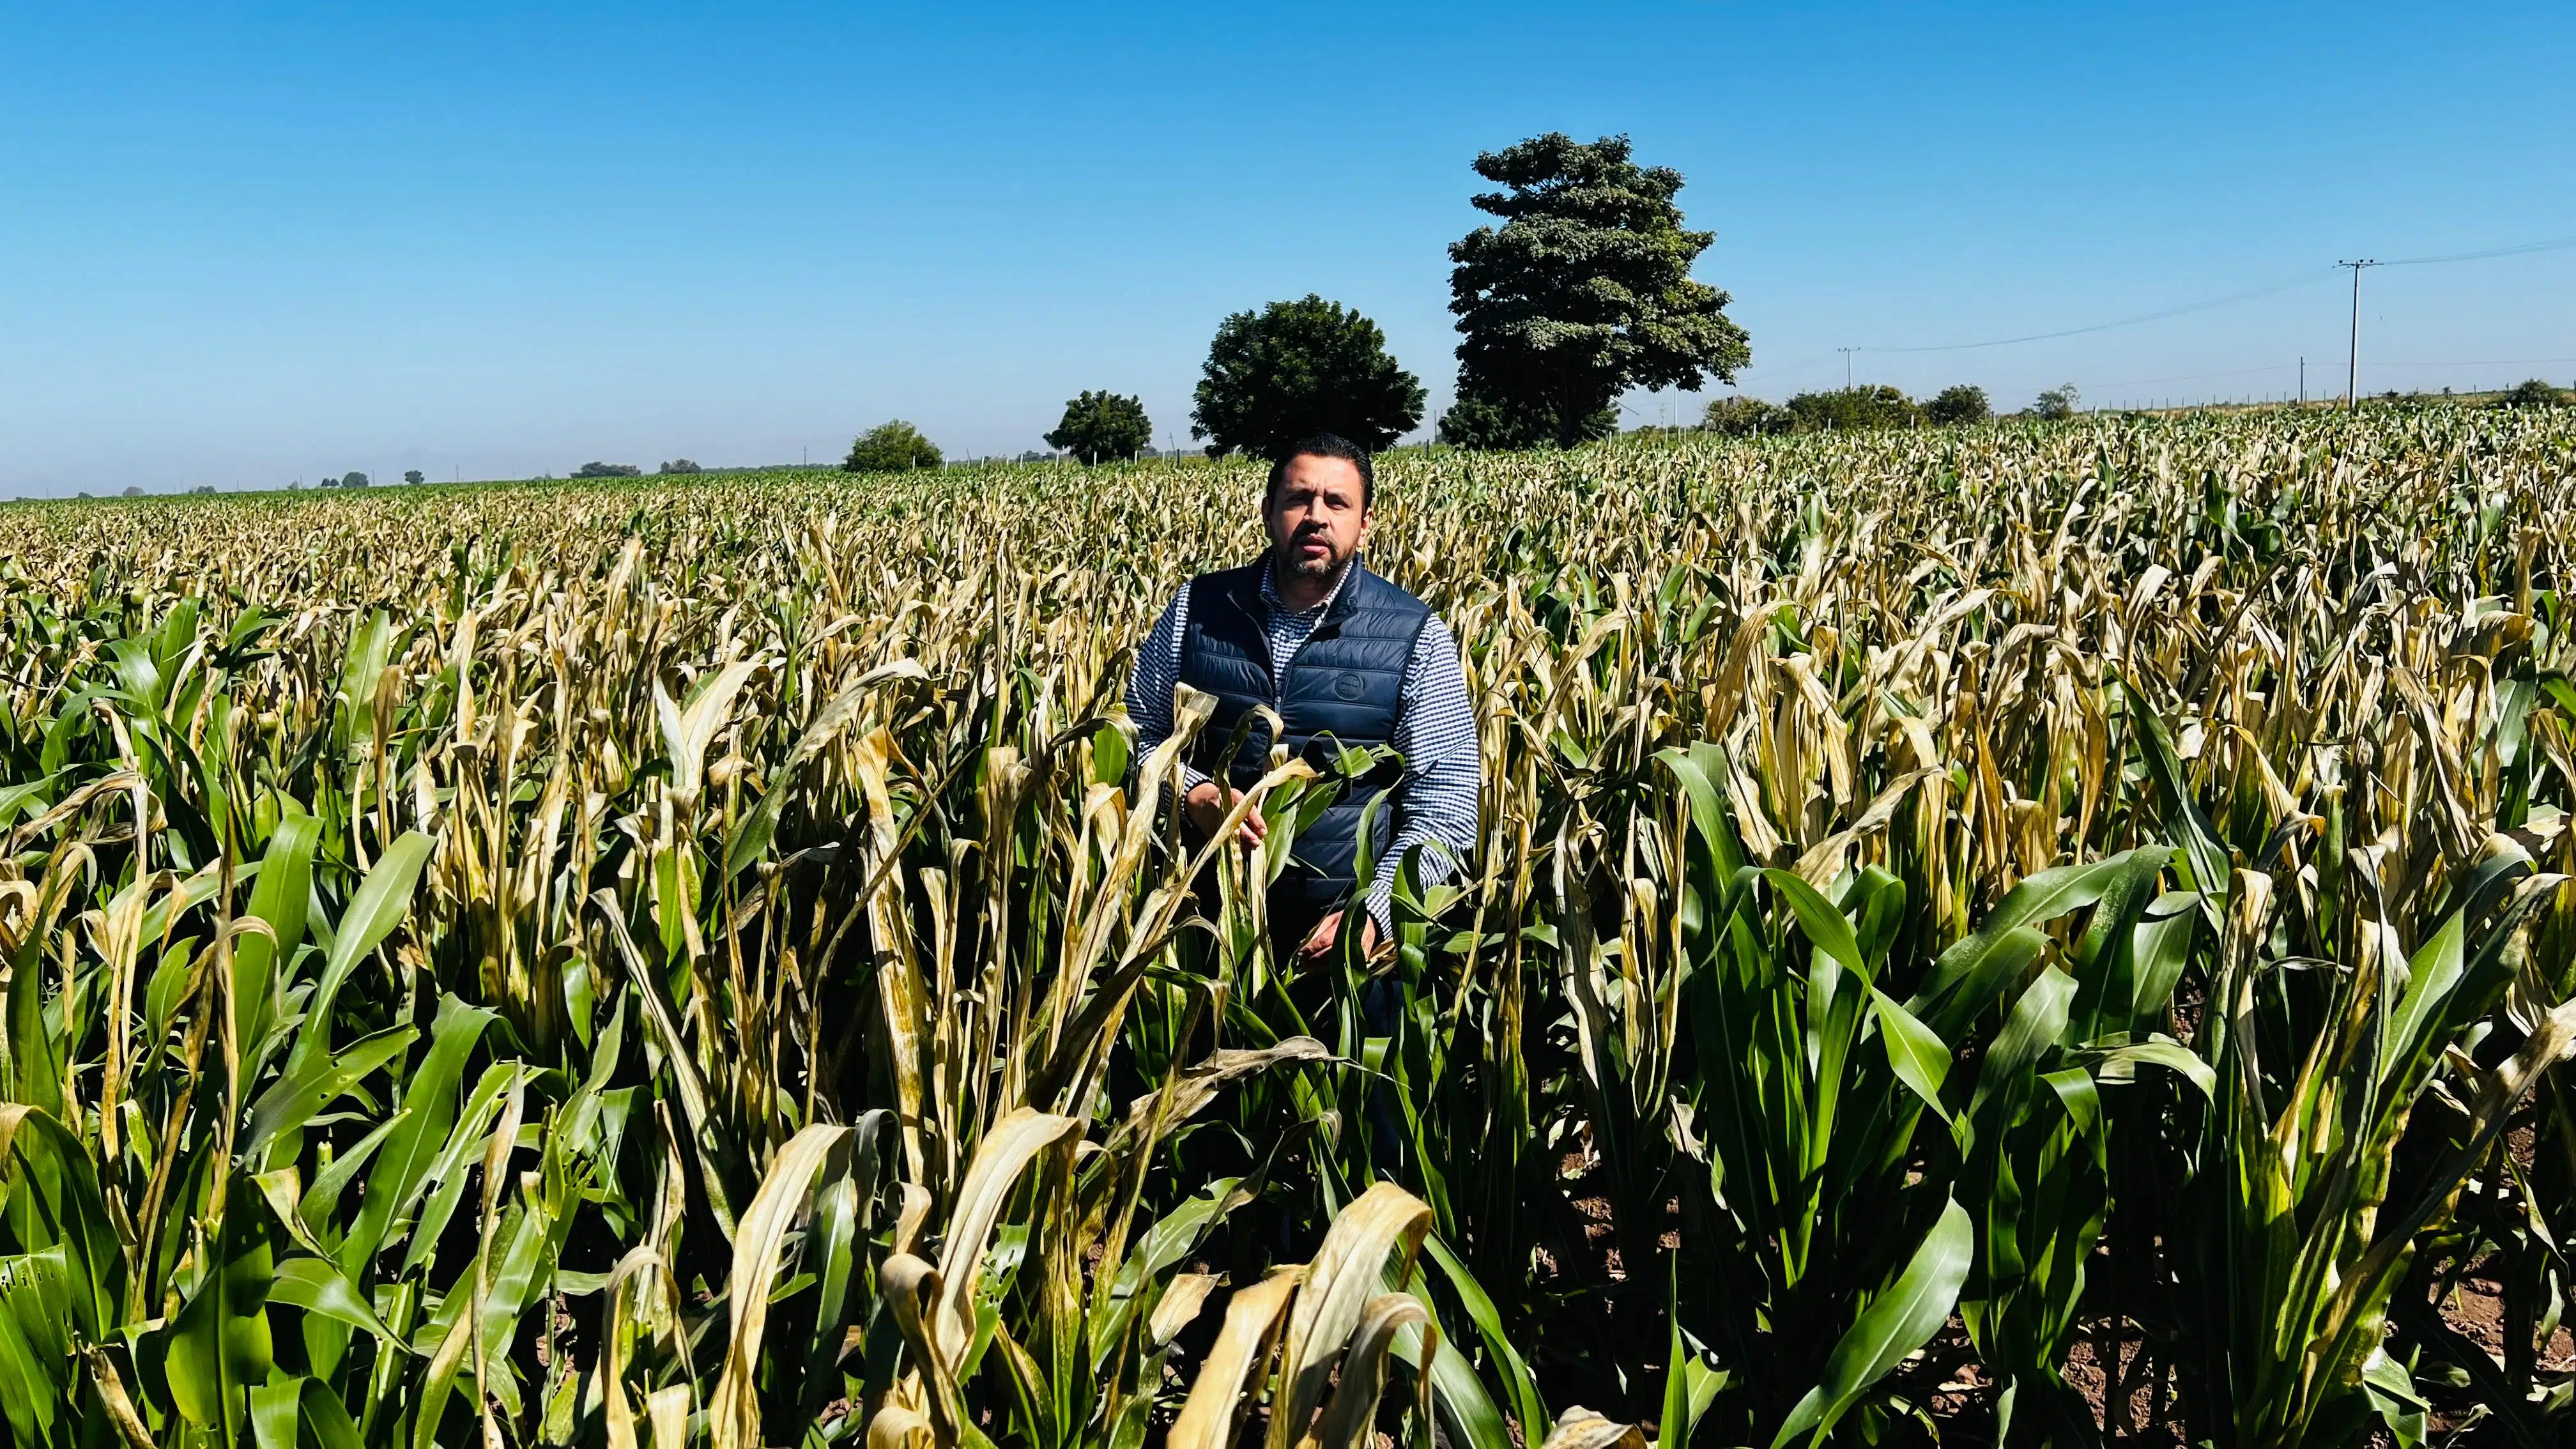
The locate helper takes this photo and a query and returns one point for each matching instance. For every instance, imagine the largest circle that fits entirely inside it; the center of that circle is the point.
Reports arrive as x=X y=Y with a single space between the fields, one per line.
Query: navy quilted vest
x=1345 y=684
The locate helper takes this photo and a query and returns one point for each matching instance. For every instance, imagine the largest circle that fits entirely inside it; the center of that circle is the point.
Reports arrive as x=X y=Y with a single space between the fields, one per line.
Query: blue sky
x=243 y=244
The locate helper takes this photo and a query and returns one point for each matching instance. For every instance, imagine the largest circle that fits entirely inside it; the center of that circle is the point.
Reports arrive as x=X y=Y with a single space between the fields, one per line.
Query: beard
x=1294 y=561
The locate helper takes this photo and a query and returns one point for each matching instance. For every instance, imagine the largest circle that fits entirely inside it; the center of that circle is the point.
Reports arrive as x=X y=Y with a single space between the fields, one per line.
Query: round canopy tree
x=1295 y=369
x=1962 y=402
x=894 y=446
x=1103 y=425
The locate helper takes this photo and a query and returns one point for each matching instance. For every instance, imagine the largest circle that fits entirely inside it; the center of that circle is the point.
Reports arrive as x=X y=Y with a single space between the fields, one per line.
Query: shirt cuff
x=1381 y=909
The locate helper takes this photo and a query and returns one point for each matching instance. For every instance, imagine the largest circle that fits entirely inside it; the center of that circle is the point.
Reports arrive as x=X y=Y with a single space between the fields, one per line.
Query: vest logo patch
x=1349 y=686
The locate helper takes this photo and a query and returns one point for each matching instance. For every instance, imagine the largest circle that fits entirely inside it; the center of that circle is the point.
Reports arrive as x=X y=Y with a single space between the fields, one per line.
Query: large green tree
x=893 y=446
x=1100 y=425
x=1583 y=292
x=1962 y=402
x=1295 y=369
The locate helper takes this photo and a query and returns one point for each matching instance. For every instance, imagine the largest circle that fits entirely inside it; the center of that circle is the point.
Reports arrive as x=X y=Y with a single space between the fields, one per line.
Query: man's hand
x=1319 y=941
x=1208 y=803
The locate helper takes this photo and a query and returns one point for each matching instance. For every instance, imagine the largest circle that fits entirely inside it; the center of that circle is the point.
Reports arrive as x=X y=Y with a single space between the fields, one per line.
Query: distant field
x=699 y=960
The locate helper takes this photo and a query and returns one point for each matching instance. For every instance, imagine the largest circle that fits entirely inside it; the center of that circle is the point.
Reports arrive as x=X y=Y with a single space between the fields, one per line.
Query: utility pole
x=1847 y=371
x=2303 y=382
x=2352 y=375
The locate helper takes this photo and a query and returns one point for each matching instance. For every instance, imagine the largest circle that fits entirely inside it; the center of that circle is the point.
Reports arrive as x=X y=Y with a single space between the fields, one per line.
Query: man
x=1336 y=652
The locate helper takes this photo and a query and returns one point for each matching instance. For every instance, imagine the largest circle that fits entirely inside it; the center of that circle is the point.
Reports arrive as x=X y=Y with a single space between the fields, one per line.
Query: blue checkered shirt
x=1435 y=733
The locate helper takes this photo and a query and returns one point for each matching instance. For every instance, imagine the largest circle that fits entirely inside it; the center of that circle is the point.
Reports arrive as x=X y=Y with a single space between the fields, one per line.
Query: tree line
x=1580 y=290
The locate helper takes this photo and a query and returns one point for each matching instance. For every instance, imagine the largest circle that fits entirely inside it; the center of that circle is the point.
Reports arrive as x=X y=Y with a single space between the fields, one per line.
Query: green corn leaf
x=53 y=1201
x=318 y=1286
x=1897 y=1321
x=284 y=890
x=1827 y=927
x=1918 y=1058
x=429 y=1109
x=2119 y=1062
x=1520 y=1389
x=383 y=899
x=293 y=1098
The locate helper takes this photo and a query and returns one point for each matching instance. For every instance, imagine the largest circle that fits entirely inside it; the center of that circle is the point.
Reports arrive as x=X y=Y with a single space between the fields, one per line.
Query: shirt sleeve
x=1436 y=805
x=1151 y=682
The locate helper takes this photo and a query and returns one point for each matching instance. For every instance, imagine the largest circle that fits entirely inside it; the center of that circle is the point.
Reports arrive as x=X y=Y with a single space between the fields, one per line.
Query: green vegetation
x=703 y=962
x=1583 y=292
x=1102 y=425
x=608 y=470
x=891 y=447
x=1959 y=403
x=1740 y=416
x=1295 y=369
x=1852 y=409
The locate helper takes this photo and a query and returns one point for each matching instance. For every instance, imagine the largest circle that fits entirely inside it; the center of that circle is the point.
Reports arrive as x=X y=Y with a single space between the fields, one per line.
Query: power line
x=2554 y=244
x=2248 y=295
x=2231 y=299
x=2483 y=362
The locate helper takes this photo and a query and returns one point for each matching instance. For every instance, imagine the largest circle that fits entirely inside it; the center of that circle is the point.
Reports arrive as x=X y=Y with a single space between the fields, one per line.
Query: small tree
x=414 y=477
x=1100 y=425
x=1851 y=409
x=2532 y=393
x=607 y=470
x=1583 y=292
x=682 y=465
x=894 y=446
x=1743 y=417
x=133 y=490
x=1295 y=369
x=2057 y=402
x=1963 y=402
x=353 y=479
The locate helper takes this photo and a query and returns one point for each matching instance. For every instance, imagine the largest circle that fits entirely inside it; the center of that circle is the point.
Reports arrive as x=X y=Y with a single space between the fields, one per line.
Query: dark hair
x=1324 y=445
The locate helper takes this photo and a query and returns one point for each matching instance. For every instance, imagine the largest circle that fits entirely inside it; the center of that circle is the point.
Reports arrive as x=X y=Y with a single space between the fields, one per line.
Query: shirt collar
x=1270 y=589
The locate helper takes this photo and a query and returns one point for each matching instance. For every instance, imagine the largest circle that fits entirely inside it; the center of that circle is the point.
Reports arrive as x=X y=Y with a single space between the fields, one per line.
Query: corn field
x=2021 y=935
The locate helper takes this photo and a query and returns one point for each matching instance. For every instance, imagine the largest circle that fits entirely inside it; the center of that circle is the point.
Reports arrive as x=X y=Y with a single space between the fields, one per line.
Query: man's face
x=1317 y=517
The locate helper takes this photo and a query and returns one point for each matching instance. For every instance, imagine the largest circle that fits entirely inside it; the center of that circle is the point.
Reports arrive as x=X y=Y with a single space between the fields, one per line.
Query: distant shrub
x=894 y=446
x=2060 y=402
x=681 y=465
x=607 y=470
x=353 y=479
x=2533 y=393
x=203 y=488
x=414 y=477
x=133 y=491
x=1851 y=409
x=1744 y=417
x=1963 y=402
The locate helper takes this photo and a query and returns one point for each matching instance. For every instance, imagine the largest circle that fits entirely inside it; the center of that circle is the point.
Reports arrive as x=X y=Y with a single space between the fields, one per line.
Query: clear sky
x=244 y=244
